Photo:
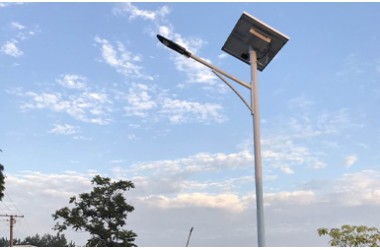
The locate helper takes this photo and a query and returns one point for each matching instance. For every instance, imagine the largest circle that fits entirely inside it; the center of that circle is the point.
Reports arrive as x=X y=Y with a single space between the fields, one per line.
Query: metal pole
x=257 y=149
x=209 y=65
x=11 y=220
x=188 y=239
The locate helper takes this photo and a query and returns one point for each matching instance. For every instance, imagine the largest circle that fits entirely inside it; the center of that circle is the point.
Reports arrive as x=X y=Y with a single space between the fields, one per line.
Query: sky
x=86 y=89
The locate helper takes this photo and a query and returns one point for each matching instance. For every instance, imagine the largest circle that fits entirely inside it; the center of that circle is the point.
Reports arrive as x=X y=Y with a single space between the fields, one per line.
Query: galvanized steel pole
x=257 y=149
x=254 y=108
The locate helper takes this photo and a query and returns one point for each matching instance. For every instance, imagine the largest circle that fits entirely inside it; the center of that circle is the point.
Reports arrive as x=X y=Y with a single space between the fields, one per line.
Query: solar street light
x=256 y=44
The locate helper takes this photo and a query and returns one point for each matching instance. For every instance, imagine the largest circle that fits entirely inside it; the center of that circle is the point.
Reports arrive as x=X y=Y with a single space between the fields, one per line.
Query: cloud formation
x=9 y=4
x=230 y=202
x=90 y=104
x=289 y=214
x=195 y=72
x=140 y=100
x=125 y=62
x=151 y=102
x=73 y=81
x=82 y=103
x=90 y=107
x=19 y=33
x=350 y=160
x=65 y=129
x=135 y=12
x=181 y=111
x=10 y=48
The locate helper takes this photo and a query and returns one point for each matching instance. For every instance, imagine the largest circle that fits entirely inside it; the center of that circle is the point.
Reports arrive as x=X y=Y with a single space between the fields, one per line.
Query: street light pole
x=249 y=38
x=253 y=107
x=257 y=148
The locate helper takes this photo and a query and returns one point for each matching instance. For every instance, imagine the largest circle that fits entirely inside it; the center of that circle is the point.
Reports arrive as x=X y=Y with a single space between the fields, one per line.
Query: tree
x=102 y=213
x=2 y=182
x=4 y=242
x=47 y=240
x=352 y=236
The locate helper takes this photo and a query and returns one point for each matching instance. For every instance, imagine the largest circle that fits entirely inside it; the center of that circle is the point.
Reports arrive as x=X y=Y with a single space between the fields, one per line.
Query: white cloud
x=306 y=136
x=122 y=60
x=146 y=102
x=350 y=160
x=20 y=33
x=223 y=55
x=10 y=48
x=300 y=102
x=131 y=136
x=230 y=202
x=168 y=177
x=140 y=100
x=17 y=26
x=150 y=102
x=46 y=100
x=356 y=189
x=353 y=65
x=91 y=107
x=65 y=129
x=181 y=111
x=306 y=124
x=284 y=153
x=286 y=170
x=201 y=162
x=300 y=197
x=196 y=72
x=166 y=31
x=135 y=12
x=73 y=81
x=4 y=5
x=78 y=101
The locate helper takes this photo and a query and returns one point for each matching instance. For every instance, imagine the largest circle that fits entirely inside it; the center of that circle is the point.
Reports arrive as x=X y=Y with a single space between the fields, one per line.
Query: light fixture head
x=174 y=46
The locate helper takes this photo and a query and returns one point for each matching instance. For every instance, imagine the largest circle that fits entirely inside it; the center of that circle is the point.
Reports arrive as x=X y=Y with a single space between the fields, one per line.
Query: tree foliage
x=352 y=236
x=102 y=213
x=4 y=242
x=47 y=240
x=2 y=182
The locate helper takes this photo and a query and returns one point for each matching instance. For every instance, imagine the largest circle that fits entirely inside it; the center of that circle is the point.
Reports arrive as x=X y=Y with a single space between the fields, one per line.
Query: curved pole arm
x=181 y=50
x=209 y=65
x=234 y=90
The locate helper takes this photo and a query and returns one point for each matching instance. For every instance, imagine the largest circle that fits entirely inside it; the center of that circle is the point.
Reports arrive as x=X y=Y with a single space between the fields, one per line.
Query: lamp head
x=174 y=46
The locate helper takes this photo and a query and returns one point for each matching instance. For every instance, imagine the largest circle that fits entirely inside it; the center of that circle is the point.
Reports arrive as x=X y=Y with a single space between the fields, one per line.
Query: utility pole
x=12 y=220
x=188 y=239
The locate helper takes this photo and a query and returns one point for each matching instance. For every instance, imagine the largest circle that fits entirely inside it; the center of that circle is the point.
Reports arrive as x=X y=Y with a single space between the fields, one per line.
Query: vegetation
x=46 y=240
x=2 y=182
x=102 y=213
x=352 y=236
x=4 y=242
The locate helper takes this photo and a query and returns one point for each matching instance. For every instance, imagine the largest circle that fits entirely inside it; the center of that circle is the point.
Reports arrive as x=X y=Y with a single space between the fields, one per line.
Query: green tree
x=47 y=240
x=2 y=182
x=352 y=236
x=102 y=213
x=4 y=242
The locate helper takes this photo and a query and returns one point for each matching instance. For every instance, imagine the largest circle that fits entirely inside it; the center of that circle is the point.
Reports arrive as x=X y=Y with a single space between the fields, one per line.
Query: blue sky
x=86 y=88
